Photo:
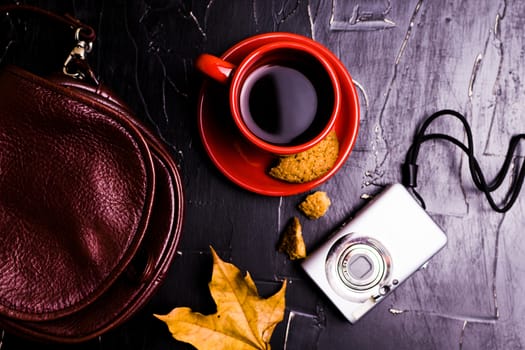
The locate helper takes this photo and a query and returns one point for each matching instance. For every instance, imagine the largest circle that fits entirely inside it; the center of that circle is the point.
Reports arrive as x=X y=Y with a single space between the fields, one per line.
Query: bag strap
x=75 y=65
x=87 y=33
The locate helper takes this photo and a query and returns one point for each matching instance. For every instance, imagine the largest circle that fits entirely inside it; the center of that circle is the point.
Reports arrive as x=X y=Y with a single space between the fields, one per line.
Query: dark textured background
x=408 y=59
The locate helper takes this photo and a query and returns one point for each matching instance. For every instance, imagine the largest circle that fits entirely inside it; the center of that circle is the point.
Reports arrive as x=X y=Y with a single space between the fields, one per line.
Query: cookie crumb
x=292 y=242
x=315 y=205
x=310 y=164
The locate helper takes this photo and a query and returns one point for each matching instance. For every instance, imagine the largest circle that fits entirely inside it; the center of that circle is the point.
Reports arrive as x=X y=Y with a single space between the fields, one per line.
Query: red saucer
x=243 y=163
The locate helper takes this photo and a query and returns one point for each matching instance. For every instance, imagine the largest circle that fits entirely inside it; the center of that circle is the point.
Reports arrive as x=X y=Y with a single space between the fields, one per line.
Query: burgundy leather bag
x=91 y=202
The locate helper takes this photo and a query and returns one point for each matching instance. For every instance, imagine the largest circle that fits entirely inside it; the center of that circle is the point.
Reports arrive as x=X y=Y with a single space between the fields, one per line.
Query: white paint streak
x=481 y=320
x=474 y=74
x=288 y=326
x=311 y=20
x=201 y=30
x=363 y=91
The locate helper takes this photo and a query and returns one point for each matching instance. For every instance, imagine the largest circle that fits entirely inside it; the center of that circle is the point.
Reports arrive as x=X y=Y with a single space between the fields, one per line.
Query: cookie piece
x=315 y=205
x=292 y=242
x=310 y=164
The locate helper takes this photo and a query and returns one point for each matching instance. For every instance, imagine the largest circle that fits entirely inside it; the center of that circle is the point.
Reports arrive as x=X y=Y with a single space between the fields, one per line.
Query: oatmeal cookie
x=292 y=242
x=310 y=164
x=315 y=205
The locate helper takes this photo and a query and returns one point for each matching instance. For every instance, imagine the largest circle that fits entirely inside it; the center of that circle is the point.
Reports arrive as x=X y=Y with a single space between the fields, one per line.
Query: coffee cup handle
x=214 y=67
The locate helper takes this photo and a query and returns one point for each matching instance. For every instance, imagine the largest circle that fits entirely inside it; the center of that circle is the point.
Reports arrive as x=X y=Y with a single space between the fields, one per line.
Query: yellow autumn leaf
x=243 y=321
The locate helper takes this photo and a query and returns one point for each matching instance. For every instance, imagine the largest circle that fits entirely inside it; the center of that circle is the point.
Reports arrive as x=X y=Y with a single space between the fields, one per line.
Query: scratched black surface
x=408 y=59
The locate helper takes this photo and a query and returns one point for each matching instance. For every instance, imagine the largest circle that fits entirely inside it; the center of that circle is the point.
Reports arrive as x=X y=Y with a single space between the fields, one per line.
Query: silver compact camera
x=387 y=241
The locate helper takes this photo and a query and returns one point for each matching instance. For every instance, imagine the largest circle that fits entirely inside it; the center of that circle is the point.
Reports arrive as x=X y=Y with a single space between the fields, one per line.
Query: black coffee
x=287 y=104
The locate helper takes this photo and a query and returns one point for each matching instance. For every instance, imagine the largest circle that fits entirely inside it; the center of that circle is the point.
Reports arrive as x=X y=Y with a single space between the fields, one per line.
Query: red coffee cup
x=284 y=96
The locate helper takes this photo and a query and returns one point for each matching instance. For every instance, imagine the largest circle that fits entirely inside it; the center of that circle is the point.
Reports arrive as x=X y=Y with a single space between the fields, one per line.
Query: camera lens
x=357 y=266
x=361 y=266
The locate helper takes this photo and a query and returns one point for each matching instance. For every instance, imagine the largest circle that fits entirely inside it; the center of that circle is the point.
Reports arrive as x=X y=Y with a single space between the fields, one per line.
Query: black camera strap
x=409 y=170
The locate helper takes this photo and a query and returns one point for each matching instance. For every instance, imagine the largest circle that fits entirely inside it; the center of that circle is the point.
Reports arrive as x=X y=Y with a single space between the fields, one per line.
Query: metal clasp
x=76 y=65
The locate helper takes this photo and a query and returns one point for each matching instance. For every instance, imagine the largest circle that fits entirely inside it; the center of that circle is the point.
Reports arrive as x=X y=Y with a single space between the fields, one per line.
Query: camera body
x=386 y=242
